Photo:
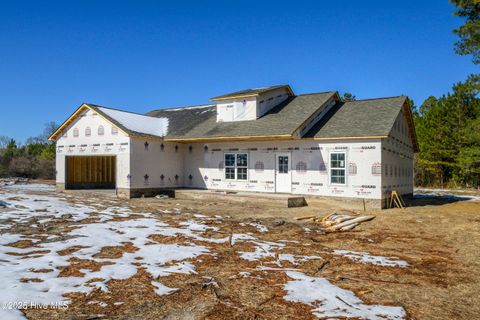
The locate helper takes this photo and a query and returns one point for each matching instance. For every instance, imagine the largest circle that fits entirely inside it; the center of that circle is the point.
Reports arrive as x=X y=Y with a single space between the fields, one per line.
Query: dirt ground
x=438 y=237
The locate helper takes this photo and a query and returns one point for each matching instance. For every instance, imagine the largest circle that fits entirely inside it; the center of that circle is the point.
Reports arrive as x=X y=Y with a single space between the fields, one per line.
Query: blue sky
x=143 y=55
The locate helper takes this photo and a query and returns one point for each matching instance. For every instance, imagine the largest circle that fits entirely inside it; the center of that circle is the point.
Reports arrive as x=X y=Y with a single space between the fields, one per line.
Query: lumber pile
x=338 y=221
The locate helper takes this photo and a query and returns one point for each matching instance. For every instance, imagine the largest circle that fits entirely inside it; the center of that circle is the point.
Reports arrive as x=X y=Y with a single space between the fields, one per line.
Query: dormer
x=250 y=104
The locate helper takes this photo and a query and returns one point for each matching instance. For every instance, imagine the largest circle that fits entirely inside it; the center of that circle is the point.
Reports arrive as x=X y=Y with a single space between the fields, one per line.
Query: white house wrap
x=261 y=140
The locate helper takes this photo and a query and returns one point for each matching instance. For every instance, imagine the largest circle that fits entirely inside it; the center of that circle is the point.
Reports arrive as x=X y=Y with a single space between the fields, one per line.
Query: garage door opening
x=90 y=172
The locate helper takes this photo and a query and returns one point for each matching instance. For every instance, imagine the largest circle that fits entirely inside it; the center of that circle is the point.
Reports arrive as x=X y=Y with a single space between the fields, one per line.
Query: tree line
x=448 y=127
x=448 y=133
x=35 y=159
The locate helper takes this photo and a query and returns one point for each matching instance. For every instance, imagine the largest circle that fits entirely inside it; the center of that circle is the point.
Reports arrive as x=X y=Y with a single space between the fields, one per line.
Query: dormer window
x=250 y=104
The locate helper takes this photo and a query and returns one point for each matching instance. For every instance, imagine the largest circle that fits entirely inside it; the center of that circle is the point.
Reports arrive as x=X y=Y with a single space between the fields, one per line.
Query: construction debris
x=293 y=202
x=396 y=199
x=338 y=221
x=305 y=217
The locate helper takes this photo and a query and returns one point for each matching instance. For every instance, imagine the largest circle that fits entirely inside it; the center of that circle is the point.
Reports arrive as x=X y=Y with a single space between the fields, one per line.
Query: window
x=114 y=130
x=88 y=132
x=229 y=166
x=337 y=168
x=242 y=166
x=282 y=164
x=236 y=166
x=75 y=132
x=101 y=130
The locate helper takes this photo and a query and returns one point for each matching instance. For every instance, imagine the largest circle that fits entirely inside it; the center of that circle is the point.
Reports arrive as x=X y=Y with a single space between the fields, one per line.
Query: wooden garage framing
x=90 y=172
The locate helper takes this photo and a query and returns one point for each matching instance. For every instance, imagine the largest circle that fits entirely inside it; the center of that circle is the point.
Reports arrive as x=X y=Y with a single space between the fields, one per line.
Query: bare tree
x=4 y=141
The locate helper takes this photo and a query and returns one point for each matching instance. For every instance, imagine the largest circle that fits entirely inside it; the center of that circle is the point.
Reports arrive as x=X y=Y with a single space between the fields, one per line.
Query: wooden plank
x=99 y=169
x=94 y=170
x=305 y=217
x=69 y=170
x=85 y=169
x=89 y=169
x=75 y=170
x=104 y=170
x=110 y=169
x=114 y=170
x=83 y=162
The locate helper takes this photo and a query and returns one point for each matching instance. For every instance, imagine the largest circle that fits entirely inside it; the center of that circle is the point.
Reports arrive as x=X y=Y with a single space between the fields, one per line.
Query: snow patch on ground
x=91 y=238
x=158 y=259
x=365 y=257
x=295 y=259
x=238 y=237
x=263 y=249
x=330 y=301
x=19 y=267
x=260 y=227
x=31 y=187
x=161 y=289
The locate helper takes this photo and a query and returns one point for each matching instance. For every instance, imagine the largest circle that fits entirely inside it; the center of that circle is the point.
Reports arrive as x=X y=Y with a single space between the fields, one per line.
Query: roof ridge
x=206 y=105
x=309 y=94
x=382 y=98
x=116 y=109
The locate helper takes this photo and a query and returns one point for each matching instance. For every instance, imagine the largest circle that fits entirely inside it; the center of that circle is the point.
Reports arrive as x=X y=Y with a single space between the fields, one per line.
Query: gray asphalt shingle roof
x=201 y=122
x=356 y=119
x=361 y=118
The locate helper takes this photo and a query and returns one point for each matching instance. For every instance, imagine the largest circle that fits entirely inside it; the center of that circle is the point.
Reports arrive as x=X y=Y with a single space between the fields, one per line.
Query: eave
x=228 y=139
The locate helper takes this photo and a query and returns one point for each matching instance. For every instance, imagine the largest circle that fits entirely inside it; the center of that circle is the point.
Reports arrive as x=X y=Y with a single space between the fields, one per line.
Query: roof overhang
x=347 y=138
x=407 y=111
x=238 y=138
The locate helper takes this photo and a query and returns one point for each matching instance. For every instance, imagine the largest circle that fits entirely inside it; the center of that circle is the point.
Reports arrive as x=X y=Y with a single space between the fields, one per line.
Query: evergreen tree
x=469 y=32
x=449 y=138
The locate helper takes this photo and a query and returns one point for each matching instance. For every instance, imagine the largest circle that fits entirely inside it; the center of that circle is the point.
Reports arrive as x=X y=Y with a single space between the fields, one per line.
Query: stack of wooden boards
x=338 y=221
x=397 y=200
